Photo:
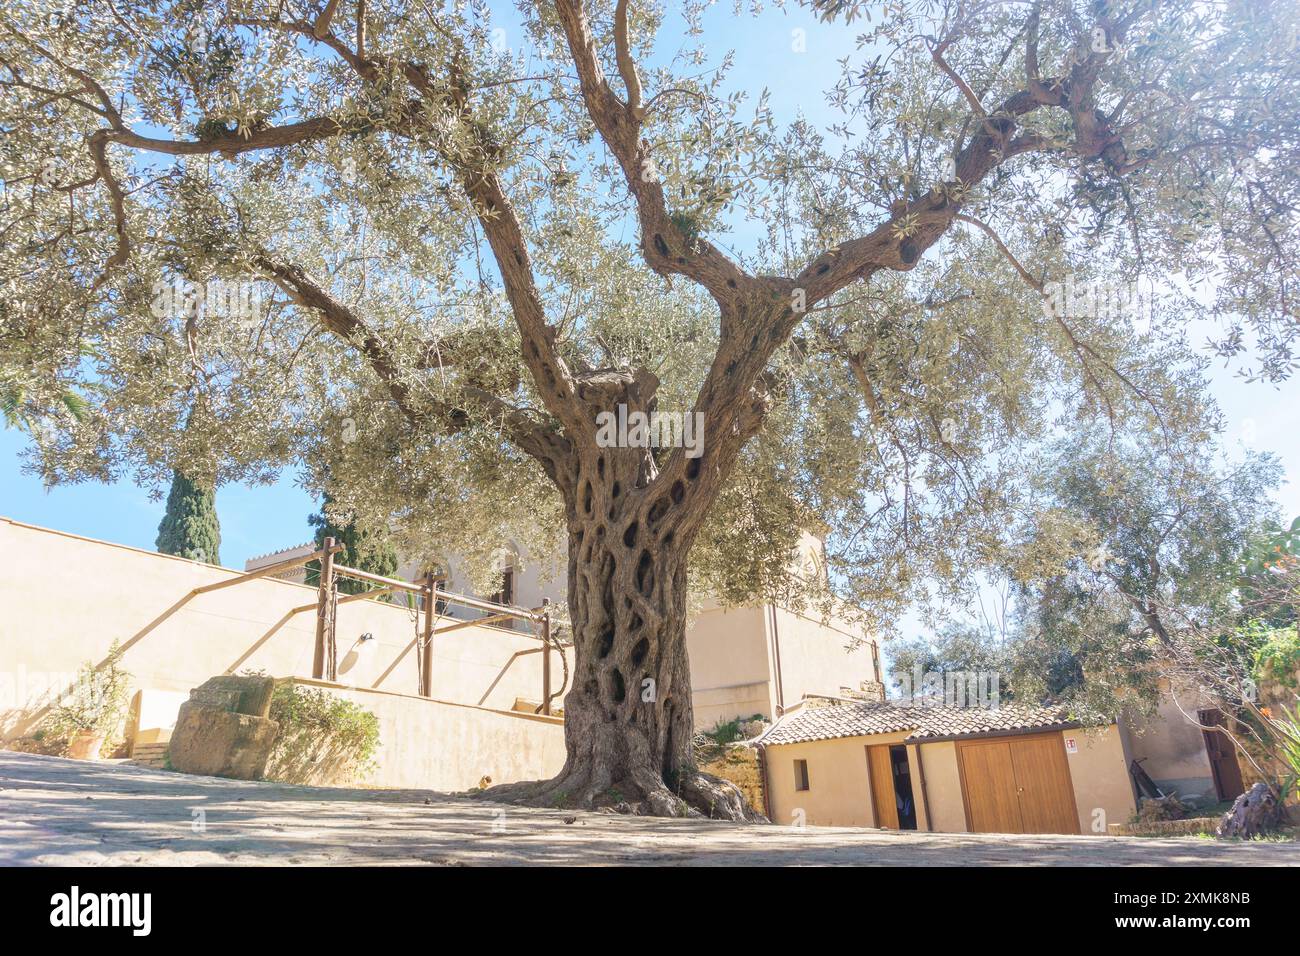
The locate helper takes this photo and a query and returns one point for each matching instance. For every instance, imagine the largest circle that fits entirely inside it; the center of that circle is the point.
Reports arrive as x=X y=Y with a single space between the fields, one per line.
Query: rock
x=223 y=730
x=1253 y=813
x=236 y=694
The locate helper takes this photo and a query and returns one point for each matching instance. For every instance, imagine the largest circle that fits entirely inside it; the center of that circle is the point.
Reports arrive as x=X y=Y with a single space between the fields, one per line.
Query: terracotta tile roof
x=962 y=721
x=830 y=718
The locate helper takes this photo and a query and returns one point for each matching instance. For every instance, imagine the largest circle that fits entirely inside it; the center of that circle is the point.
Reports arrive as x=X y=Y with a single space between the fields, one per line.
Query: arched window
x=505 y=594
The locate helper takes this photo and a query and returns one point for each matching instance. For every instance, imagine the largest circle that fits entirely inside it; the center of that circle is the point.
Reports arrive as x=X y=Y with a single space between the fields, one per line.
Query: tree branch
x=666 y=248
x=626 y=65
x=530 y=435
x=322 y=25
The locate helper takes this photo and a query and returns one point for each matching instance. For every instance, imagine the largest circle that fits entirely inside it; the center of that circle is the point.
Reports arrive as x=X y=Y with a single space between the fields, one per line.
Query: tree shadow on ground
x=56 y=811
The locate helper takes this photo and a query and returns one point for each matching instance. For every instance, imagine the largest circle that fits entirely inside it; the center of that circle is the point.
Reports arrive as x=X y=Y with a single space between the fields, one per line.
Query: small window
x=801 y=774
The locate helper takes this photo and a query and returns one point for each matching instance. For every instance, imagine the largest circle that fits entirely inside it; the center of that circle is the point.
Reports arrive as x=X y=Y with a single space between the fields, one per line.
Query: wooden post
x=546 y=657
x=324 y=625
x=430 y=609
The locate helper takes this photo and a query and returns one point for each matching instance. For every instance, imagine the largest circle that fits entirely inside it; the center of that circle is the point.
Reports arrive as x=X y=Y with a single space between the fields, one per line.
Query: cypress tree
x=190 y=528
x=363 y=550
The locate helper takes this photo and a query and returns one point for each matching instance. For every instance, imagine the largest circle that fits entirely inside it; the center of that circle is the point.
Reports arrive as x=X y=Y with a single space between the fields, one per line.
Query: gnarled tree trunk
x=629 y=719
x=1254 y=813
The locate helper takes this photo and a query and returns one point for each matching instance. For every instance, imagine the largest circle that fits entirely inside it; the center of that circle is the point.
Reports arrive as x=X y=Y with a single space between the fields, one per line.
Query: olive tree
x=465 y=253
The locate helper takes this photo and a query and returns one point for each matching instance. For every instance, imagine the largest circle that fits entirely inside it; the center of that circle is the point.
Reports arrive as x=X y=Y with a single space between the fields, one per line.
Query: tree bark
x=1254 y=813
x=628 y=717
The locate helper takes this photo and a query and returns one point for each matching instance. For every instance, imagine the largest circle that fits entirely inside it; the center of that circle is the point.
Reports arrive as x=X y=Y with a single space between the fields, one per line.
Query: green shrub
x=97 y=702
x=322 y=738
x=1286 y=735
x=1278 y=657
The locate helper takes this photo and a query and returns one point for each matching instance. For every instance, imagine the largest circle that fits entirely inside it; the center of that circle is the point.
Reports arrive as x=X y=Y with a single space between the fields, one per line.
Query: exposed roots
x=698 y=795
x=718 y=799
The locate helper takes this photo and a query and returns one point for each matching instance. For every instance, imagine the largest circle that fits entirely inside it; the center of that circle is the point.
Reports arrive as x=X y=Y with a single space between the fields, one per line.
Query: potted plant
x=94 y=707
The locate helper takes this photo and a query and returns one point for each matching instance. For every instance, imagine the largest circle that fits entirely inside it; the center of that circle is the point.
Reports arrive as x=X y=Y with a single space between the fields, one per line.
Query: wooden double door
x=1017 y=785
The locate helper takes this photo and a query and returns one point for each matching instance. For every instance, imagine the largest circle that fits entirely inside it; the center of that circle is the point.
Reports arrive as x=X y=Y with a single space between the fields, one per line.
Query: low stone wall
x=436 y=745
x=739 y=764
x=1163 y=828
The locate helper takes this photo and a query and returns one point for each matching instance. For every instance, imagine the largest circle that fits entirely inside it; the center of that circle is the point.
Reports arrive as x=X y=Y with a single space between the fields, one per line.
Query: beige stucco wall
x=1103 y=790
x=415 y=734
x=64 y=599
x=729 y=669
x=839 y=791
x=942 y=787
x=839 y=788
x=737 y=654
x=1172 y=747
x=818 y=656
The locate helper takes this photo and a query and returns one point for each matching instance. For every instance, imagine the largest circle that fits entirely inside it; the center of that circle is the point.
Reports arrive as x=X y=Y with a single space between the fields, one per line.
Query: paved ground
x=55 y=811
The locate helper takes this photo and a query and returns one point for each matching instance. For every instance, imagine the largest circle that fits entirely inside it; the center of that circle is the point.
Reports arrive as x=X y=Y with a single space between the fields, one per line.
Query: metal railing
x=325 y=656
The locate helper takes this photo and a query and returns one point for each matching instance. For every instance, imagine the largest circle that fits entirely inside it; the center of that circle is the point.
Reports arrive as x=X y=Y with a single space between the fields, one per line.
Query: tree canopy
x=1163 y=568
x=150 y=143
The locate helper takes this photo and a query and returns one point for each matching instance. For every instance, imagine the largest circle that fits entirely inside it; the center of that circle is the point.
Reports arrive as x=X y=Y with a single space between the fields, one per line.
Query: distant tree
x=363 y=549
x=14 y=413
x=1272 y=560
x=1158 y=582
x=189 y=527
x=1048 y=668
x=957 y=647
x=1142 y=562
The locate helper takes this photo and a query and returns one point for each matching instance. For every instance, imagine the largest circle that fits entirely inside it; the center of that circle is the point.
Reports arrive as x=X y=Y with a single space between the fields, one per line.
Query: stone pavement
x=56 y=811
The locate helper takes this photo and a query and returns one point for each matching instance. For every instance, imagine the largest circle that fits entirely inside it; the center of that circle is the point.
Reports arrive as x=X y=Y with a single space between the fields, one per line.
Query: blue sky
x=262 y=519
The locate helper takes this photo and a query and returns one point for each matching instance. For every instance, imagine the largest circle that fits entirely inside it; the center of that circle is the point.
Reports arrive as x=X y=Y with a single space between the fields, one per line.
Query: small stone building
x=1009 y=769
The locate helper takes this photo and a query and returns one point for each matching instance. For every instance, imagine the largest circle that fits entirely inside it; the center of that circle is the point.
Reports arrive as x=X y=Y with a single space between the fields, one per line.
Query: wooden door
x=1223 y=758
x=989 y=779
x=881 y=770
x=1043 y=785
x=1017 y=785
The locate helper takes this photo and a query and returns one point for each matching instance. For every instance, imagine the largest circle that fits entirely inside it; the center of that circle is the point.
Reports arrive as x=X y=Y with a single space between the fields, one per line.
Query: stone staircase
x=150 y=755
